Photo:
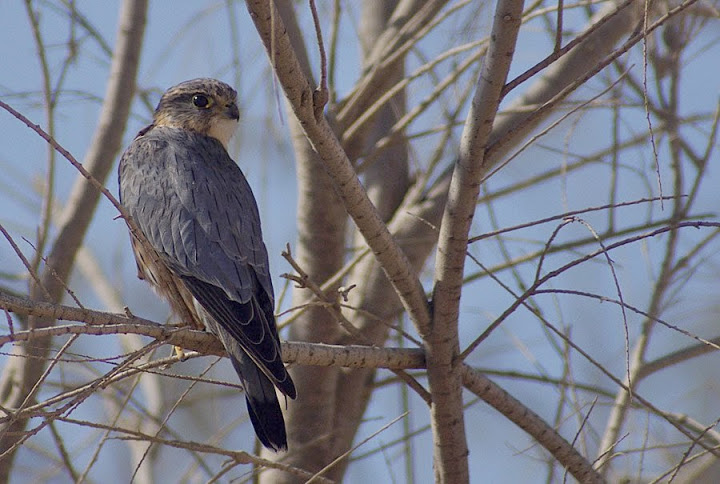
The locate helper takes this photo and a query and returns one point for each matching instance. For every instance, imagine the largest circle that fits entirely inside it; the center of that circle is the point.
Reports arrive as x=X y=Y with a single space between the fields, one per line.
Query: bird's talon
x=179 y=353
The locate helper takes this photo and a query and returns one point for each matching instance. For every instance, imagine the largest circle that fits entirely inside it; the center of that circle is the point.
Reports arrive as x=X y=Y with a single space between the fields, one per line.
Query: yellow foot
x=180 y=353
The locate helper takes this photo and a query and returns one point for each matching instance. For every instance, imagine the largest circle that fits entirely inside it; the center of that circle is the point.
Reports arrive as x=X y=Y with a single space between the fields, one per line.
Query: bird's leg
x=179 y=352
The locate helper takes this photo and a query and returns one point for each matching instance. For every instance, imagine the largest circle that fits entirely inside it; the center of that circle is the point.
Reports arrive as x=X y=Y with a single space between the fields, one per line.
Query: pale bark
x=411 y=223
x=400 y=220
x=150 y=385
x=387 y=182
x=442 y=345
x=364 y=358
x=302 y=98
x=382 y=58
x=319 y=249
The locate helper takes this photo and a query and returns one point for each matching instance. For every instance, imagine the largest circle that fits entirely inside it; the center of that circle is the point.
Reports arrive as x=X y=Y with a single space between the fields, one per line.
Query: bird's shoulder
x=183 y=144
x=196 y=207
x=188 y=157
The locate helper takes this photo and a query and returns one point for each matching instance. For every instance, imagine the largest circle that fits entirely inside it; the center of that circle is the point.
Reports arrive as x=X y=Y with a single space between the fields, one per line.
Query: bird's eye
x=201 y=101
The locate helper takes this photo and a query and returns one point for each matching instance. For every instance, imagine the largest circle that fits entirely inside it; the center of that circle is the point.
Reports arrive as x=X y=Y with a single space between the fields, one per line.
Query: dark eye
x=201 y=101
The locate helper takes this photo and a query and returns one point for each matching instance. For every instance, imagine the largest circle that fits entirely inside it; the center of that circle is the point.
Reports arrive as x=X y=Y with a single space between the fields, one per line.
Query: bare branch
x=320 y=249
x=531 y=423
x=76 y=218
x=314 y=354
x=299 y=93
x=442 y=343
x=104 y=323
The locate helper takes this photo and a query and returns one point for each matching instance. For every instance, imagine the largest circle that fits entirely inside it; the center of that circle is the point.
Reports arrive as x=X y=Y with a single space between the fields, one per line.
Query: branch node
x=344 y=291
x=320 y=99
x=300 y=281
x=128 y=313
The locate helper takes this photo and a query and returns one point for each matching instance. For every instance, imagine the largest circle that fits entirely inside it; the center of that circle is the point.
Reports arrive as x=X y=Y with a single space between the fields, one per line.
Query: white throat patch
x=223 y=129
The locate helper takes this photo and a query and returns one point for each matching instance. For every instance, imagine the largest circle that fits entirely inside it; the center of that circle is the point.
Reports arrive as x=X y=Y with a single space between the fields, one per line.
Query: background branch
x=21 y=375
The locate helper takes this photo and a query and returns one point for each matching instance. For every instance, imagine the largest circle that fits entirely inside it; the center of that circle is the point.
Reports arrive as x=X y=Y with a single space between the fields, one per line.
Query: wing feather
x=201 y=217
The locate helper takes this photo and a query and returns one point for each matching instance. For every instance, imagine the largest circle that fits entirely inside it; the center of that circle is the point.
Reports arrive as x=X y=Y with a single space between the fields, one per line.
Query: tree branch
x=298 y=353
x=531 y=423
x=21 y=374
x=320 y=248
x=298 y=91
x=442 y=344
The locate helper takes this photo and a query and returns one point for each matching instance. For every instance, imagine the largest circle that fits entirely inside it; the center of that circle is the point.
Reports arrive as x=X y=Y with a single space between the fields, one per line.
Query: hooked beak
x=233 y=112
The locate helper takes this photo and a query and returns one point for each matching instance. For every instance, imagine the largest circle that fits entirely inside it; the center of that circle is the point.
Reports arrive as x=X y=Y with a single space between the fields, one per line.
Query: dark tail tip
x=268 y=422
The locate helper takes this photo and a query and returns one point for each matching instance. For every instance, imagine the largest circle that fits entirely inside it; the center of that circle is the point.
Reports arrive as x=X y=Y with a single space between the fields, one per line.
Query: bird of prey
x=204 y=251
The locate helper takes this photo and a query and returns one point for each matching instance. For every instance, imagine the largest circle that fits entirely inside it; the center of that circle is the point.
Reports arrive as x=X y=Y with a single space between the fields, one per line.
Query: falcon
x=204 y=250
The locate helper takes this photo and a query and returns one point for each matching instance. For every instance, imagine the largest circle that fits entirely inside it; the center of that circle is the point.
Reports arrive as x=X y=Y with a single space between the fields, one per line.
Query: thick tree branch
x=336 y=381
x=320 y=249
x=298 y=353
x=299 y=93
x=409 y=22
x=104 y=323
x=441 y=345
x=386 y=181
x=565 y=75
x=413 y=223
x=580 y=468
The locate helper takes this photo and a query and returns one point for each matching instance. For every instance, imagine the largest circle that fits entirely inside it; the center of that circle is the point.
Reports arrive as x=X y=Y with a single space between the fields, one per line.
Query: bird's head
x=207 y=106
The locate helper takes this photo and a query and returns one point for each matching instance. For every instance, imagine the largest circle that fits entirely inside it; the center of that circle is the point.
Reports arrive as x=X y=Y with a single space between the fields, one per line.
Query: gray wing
x=195 y=206
x=196 y=209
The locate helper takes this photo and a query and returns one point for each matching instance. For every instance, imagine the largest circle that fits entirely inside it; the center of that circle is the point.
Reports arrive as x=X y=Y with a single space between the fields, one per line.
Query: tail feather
x=248 y=333
x=262 y=402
